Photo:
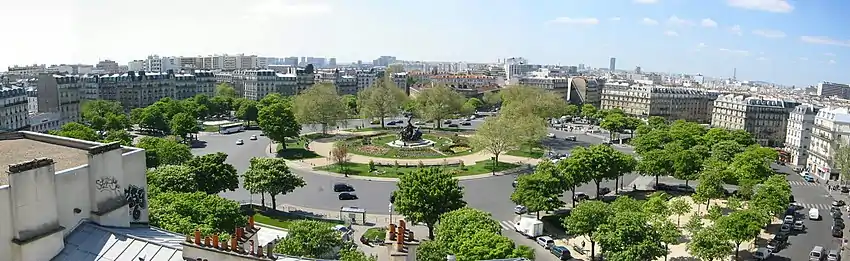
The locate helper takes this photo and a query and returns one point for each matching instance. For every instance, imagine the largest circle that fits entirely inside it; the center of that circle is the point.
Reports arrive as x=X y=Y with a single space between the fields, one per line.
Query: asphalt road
x=489 y=194
x=818 y=233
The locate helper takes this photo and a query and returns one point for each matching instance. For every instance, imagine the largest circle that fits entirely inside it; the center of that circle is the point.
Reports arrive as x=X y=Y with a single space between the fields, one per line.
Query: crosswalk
x=804 y=184
x=506 y=225
x=807 y=206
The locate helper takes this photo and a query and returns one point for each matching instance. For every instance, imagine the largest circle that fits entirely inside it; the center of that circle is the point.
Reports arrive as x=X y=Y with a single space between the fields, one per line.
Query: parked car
x=447 y=122
x=562 y=253
x=453 y=125
x=520 y=209
x=604 y=191
x=789 y=219
x=570 y=138
x=551 y=135
x=837 y=232
x=762 y=254
x=833 y=255
x=581 y=196
x=545 y=241
x=347 y=196
x=684 y=188
x=785 y=228
x=845 y=189
x=342 y=187
x=838 y=203
x=799 y=226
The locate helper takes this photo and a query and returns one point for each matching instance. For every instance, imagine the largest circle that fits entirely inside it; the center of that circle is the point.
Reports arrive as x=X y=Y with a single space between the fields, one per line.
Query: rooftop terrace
x=17 y=147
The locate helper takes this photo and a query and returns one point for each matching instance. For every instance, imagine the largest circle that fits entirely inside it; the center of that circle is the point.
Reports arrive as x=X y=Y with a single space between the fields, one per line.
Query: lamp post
x=391 y=213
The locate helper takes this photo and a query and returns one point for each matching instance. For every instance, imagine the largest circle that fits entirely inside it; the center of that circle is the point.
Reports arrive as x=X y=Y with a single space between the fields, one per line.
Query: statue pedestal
x=410 y=144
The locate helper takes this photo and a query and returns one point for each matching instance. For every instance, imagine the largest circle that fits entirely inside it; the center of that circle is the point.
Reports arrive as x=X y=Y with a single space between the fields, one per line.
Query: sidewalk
x=324 y=148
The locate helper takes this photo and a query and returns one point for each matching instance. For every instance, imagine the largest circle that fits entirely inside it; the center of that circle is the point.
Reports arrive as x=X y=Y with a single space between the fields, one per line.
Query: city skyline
x=786 y=42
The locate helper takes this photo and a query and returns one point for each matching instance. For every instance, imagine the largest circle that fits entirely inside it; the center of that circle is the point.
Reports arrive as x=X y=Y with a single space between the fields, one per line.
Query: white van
x=814 y=214
x=817 y=254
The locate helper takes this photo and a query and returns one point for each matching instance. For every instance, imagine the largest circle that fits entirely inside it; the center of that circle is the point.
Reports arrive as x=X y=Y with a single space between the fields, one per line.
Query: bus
x=231 y=128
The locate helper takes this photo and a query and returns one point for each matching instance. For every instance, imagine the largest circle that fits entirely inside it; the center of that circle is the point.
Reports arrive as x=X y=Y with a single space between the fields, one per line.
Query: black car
x=347 y=196
x=466 y=123
x=392 y=123
x=684 y=188
x=453 y=125
x=774 y=245
x=845 y=189
x=838 y=223
x=604 y=191
x=447 y=122
x=661 y=186
x=837 y=232
x=838 y=203
x=581 y=196
x=342 y=187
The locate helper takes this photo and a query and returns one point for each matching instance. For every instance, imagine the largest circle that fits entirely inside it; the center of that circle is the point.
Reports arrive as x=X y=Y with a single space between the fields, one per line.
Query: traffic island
x=397 y=170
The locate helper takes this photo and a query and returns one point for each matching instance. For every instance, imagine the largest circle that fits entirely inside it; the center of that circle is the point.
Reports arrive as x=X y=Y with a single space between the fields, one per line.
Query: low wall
x=392 y=163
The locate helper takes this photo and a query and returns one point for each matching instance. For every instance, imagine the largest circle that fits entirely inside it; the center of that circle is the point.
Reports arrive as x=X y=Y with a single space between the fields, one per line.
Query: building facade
x=765 y=118
x=13 y=109
x=830 y=89
x=831 y=129
x=584 y=90
x=557 y=85
x=798 y=138
x=670 y=103
x=60 y=94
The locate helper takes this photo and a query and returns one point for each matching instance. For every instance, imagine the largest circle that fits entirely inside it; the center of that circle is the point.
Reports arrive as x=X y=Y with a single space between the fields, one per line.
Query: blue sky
x=790 y=42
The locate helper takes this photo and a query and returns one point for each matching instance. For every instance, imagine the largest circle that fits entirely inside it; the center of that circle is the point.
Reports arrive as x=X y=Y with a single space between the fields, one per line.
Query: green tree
x=320 y=105
x=355 y=255
x=652 y=140
x=694 y=224
x=629 y=236
x=679 y=206
x=248 y=111
x=529 y=129
x=496 y=135
x=432 y=250
x=309 y=238
x=271 y=175
x=655 y=163
x=687 y=163
x=523 y=100
x=657 y=206
x=492 y=99
x=381 y=100
x=152 y=118
x=213 y=174
x=351 y=104
x=772 y=197
x=743 y=137
x=160 y=151
x=686 y=133
x=741 y=226
x=438 y=103
x=841 y=159
x=77 y=131
x=588 y=112
x=725 y=151
x=540 y=190
x=752 y=166
x=425 y=194
x=278 y=122
x=669 y=232
x=184 y=212
x=475 y=103
x=571 y=176
x=120 y=136
x=273 y=98
x=225 y=90
x=220 y=105
x=465 y=221
x=602 y=162
x=572 y=110
x=182 y=124
x=715 y=136
x=103 y=115
x=483 y=245
x=710 y=184
x=585 y=220
x=172 y=178
x=614 y=124
x=710 y=245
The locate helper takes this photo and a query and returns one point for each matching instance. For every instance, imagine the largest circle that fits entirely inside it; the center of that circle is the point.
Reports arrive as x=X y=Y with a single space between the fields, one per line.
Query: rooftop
x=17 y=150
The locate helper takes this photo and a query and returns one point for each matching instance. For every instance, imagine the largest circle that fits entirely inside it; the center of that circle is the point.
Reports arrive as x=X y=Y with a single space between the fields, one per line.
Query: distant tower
x=637 y=69
x=734 y=74
x=613 y=65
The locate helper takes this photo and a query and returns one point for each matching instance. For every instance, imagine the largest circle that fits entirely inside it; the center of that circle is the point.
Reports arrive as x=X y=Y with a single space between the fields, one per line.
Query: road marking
x=506 y=225
x=803 y=184
x=817 y=206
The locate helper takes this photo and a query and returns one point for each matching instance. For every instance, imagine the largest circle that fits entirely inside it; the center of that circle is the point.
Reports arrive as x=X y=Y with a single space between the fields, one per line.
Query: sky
x=783 y=41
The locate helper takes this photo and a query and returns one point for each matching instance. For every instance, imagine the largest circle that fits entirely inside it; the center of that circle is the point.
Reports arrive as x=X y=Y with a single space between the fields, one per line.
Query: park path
x=324 y=149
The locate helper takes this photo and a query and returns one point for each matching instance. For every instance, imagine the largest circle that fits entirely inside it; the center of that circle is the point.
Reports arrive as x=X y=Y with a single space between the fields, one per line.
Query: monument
x=410 y=137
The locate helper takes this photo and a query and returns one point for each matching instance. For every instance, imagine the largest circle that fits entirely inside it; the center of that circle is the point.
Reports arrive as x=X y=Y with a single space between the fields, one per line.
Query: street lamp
x=391 y=213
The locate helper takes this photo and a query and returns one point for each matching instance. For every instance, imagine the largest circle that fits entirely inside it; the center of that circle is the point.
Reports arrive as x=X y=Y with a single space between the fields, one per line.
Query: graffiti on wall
x=136 y=200
x=108 y=183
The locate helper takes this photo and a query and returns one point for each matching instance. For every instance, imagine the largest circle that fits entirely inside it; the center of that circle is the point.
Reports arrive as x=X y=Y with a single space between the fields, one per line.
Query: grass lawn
x=379 y=148
x=286 y=221
x=394 y=128
x=480 y=167
x=528 y=152
x=316 y=136
x=210 y=128
x=295 y=150
x=375 y=233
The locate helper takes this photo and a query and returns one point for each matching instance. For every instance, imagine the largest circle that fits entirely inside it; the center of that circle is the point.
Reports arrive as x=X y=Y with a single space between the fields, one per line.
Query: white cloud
x=804 y=58
x=762 y=59
x=769 y=33
x=773 y=6
x=732 y=51
x=824 y=40
x=832 y=62
x=702 y=45
x=736 y=30
x=646 y=2
x=829 y=54
x=282 y=9
x=708 y=23
x=615 y=19
x=676 y=21
x=578 y=21
x=671 y=33
x=648 y=21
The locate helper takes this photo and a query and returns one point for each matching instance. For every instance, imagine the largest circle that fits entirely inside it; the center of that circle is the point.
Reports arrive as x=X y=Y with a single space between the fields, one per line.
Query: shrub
x=371 y=165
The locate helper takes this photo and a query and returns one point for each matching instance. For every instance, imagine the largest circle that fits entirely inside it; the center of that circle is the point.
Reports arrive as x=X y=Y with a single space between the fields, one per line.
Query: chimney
x=252 y=247
x=251 y=222
x=401 y=234
x=207 y=241
x=215 y=241
x=240 y=231
x=197 y=236
x=399 y=243
x=270 y=249
x=392 y=232
x=233 y=246
x=260 y=251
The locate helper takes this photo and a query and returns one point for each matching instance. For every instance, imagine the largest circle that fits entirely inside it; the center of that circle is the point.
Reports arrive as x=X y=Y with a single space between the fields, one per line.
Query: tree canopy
x=309 y=238
x=539 y=190
x=163 y=151
x=272 y=176
x=213 y=174
x=278 y=122
x=425 y=194
x=184 y=212
x=383 y=99
x=438 y=103
x=103 y=115
x=320 y=104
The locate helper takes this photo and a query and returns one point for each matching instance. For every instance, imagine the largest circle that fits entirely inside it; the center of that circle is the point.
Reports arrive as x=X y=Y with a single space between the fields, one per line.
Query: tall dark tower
x=734 y=74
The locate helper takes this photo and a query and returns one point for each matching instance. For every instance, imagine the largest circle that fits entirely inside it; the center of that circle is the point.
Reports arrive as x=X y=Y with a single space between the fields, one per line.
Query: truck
x=529 y=227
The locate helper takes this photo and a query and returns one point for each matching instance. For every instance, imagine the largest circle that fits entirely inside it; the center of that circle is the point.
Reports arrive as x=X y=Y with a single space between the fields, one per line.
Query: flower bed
x=445 y=145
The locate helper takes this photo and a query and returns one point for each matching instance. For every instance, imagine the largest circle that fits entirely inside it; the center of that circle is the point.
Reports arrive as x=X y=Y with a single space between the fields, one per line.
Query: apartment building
x=60 y=94
x=765 y=118
x=462 y=81
x=557 y=85
x=27 y=70
x=585 y=90
x=366 y=78
x=799 y=135
x=400 y=80
x=830 y=89
x=13 y=109
x=831 y=129
x=256 y=84
x=670 y=103
x=108 y=66
x=140 y=89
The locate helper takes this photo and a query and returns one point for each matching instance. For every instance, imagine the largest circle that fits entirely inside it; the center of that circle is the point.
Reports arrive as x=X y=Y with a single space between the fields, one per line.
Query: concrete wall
x=42 y=205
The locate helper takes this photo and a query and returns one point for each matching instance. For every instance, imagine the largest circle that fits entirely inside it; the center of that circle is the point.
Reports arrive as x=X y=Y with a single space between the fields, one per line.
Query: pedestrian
x=582 y=244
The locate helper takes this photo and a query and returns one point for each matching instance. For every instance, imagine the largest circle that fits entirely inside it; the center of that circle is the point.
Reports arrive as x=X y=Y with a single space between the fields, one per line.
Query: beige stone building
x=671 y=103
x=557 y=85
x=765 y=118
x=584 y=90
x=831 y=129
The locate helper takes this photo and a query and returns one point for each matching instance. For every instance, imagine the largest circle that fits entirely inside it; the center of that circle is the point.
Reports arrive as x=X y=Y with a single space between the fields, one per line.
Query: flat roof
x=15 y=151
